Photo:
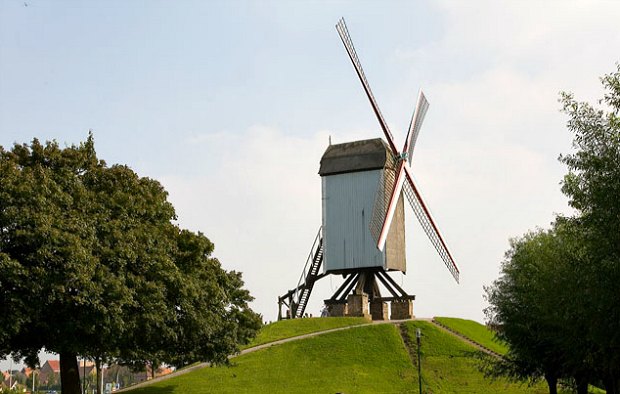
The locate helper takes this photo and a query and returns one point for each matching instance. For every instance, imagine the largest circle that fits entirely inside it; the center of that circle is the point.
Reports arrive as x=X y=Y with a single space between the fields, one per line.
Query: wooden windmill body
x=351 y=176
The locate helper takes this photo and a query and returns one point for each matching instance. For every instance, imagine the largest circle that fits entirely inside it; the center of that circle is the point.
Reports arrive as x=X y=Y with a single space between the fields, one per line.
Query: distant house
x=27 y=371
x=51 y=368
x=148 y=373
x=87 y=368
x=7 y=377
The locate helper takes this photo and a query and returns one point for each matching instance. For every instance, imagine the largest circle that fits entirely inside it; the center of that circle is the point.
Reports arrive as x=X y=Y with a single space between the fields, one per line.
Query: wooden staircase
x=297 y=299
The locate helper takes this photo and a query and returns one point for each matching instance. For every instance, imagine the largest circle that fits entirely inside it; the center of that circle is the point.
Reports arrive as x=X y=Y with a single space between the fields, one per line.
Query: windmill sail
x=391 y=206
x=416 y=124
x=384 y=192
x=425 y=219
x=393 y=183
x=348 y=44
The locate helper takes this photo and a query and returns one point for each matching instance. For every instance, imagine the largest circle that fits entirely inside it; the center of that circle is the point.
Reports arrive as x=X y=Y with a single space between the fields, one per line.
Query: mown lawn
x=366 y=359
x=295 y=327
x=476 y=332
x=449 y=365
x=370 y=359
x=481 y=334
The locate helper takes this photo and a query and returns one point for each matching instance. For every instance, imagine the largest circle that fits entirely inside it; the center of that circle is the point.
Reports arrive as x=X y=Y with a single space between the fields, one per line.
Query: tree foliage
x=535 y=305
x=593 y=188
x=557 y=300
x=92 y=264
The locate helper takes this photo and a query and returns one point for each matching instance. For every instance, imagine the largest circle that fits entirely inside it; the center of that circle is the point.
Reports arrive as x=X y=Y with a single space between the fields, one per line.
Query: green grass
x=481 y=334
x=370 y=359
x=295 y=327
x=476 y=332
x=367 y=359
x=449 y=365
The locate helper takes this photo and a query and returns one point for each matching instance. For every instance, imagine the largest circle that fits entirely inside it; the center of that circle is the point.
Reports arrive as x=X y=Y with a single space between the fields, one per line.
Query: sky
x=230 y=105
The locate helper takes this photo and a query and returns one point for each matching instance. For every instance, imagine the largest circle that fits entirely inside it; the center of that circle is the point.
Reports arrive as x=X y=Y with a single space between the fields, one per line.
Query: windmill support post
x=360 y=292
x=359 y=295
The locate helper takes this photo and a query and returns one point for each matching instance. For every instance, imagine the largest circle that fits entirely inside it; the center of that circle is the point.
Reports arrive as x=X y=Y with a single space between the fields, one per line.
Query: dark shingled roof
x=355 y=156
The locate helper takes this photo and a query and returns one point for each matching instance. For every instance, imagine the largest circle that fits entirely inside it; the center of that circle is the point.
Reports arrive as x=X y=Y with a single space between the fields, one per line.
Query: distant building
x=147 y=374
x=27 y=371
x=8 y=379
x=51 y=368
x=87 y=368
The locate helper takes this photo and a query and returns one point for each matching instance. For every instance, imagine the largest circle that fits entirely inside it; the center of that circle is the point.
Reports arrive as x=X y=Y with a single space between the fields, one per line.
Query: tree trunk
x=99 y=377
x=582 y=386
x=552 y=382
x=612 y=385
x=69 y=375
x=154 y=367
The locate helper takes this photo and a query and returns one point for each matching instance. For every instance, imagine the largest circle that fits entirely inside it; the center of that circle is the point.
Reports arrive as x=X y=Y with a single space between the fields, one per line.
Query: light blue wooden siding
x=348 y=200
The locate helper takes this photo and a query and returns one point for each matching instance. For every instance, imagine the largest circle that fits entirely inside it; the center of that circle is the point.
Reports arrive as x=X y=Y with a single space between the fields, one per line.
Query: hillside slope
x=364 y=359
x=296 y=327
x=449 y=365
x=474 y=331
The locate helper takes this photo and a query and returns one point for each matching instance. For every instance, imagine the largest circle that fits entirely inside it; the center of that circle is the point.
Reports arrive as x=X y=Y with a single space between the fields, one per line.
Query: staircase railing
x=297 y=298
x=307 y=277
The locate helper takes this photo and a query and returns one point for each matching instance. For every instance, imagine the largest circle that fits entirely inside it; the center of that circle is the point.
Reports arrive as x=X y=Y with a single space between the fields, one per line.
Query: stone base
x=402 y=310
x=338 y=310
x=358 y=305
x=379 y=310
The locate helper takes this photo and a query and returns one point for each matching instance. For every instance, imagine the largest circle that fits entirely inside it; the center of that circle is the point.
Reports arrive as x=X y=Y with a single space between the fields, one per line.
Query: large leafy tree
x=593 y=188
x=46 y=242
x=534 y=304
x=558 y=299
x=93 y=265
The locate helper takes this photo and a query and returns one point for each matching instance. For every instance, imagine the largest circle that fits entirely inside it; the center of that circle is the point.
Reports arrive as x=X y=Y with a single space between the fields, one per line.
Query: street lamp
x=418 y=335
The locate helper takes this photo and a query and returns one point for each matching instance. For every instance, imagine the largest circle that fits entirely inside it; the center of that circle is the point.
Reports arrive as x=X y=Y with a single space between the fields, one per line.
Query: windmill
x=364 y=184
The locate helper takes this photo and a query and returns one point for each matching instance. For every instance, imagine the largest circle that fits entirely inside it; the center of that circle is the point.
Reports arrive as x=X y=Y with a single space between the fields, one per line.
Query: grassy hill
x=365 y=359
x=449 y=365
x=292 y=328
x=474 y=331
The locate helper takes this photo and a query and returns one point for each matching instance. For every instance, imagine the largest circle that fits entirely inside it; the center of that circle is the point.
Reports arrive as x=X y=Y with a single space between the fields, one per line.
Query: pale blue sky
x=231 y=104
x=156 y=73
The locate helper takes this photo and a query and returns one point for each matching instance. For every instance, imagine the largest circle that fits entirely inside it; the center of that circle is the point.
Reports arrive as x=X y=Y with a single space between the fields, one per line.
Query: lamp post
x=418 y=335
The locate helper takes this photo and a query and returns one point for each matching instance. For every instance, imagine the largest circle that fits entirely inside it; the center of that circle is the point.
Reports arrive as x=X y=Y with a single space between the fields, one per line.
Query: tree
x=557 y=299
x=526 y=303
x=593 y=188
x=92 y=264
x=209 y=317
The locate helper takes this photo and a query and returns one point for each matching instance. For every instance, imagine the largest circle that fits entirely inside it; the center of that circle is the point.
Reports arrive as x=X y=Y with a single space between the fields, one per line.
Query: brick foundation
x=358 y=305
x=402 y=310
x=379 y=310
x=338 y=310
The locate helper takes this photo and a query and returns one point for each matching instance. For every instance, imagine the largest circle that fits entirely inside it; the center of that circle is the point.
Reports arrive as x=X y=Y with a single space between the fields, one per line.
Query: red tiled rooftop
x=54 y=364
